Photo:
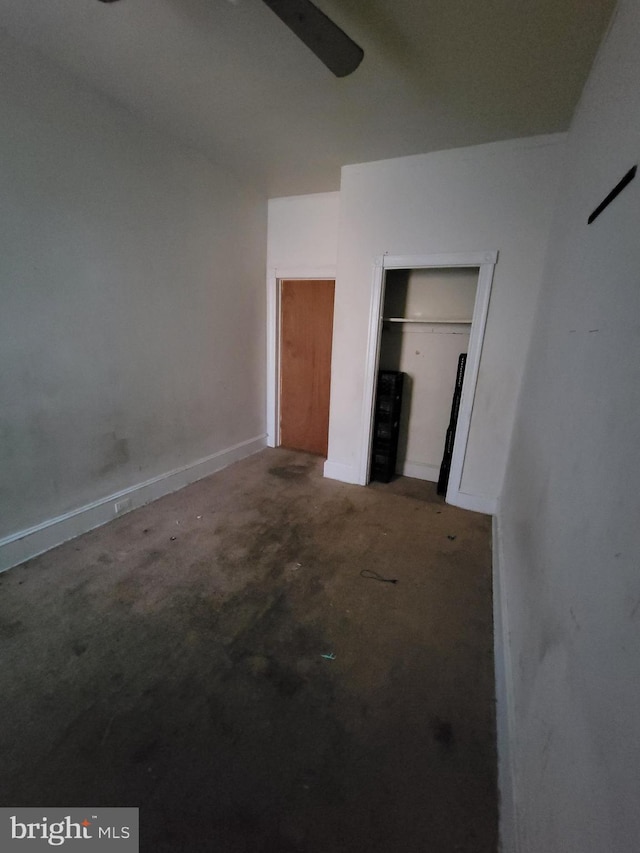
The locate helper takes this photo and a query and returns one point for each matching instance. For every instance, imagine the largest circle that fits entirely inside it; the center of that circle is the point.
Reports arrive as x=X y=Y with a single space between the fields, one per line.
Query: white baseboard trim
x=420 y=471
x=344 y=473
x=505 y=723
x=25 y=544
x=476 y=503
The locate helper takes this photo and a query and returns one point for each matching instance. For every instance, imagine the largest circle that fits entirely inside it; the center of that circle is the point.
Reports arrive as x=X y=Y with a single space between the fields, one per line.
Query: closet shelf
x=457 y=322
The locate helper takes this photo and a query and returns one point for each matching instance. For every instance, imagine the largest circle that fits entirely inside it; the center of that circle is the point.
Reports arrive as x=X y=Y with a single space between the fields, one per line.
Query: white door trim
x=373 y=357
x=274 y=276
x=486 y=262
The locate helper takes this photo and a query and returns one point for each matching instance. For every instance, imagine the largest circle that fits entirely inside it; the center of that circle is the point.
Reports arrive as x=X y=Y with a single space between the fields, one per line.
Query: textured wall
x=132 y=298
x=568 y=525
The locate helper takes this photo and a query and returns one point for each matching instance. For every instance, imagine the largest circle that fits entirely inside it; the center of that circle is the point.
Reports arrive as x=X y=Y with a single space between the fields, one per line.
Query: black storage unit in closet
x=386 y=425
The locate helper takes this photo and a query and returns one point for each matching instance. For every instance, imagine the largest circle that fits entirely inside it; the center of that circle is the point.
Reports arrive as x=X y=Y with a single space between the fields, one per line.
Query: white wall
x=497 y=196
x=132 y=307
x=303 y=231
x=569 y=520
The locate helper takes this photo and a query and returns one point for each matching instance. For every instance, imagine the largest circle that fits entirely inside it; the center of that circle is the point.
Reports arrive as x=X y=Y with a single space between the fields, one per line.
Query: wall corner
x=505 y=722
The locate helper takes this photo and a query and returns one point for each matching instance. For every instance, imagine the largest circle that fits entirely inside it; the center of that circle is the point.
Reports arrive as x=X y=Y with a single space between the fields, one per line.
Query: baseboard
x=505 y=723
x=25 y=544
x=476 y=503
x=338 y=471
x=420 y=471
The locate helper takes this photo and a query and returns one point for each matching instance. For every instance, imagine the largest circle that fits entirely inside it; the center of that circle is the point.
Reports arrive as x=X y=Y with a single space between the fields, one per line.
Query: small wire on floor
x=374 y=576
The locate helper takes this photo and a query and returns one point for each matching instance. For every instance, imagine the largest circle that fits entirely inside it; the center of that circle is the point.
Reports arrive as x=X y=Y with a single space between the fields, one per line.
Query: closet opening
x=428 y=320
x=426 y=324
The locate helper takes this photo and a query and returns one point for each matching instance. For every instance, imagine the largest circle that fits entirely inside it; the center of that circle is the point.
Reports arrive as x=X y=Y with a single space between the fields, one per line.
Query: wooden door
x=306 y=331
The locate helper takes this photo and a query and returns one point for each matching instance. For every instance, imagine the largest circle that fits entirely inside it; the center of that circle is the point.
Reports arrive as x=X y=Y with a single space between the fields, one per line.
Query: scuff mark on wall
x=114 y=452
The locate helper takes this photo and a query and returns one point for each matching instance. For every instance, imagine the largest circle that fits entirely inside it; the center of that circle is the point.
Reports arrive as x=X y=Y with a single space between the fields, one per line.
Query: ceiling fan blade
x=329 y=43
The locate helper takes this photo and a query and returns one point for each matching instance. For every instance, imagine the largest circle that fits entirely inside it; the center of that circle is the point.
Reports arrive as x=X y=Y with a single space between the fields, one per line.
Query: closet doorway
x=426 y=323
x=426 y=311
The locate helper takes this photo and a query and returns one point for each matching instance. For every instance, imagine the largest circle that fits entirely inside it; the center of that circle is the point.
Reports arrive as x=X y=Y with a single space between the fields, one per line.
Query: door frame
x=485 y=262
x=275 y=276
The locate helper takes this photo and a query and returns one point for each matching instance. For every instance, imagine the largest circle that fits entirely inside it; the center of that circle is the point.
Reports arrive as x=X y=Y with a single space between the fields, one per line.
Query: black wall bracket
x=614 y=192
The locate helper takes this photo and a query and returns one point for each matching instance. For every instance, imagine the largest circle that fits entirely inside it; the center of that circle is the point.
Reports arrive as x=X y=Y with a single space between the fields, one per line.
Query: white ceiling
x=229 y=78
